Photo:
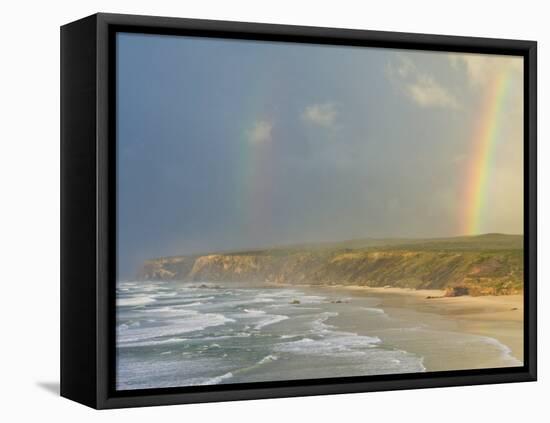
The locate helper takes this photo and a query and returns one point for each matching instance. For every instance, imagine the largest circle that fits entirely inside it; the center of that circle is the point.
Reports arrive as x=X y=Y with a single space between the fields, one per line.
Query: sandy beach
x=497 y=318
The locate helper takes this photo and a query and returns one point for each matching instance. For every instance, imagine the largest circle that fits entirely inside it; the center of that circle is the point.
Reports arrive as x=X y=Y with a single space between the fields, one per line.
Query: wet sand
x=446 y=330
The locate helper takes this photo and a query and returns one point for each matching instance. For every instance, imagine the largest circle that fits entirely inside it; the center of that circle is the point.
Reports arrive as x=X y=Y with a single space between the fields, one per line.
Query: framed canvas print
x=254 y=211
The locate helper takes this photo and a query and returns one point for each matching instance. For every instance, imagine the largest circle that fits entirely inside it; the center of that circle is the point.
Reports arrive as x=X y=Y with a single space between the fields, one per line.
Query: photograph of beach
x=292 y=211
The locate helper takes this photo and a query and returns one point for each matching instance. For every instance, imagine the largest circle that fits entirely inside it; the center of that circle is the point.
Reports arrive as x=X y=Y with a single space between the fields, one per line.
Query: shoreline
x=334 y=330
x=497 y=317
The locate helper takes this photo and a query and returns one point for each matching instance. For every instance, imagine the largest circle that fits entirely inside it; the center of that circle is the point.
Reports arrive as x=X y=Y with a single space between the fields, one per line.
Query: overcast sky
x=228 y=144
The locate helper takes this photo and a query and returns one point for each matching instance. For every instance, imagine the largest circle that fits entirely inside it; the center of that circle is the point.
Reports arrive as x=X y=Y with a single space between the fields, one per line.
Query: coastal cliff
x=482 y=265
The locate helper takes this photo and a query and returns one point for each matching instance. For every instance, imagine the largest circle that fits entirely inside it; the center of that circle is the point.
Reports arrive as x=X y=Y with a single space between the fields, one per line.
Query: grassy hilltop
x=490 y=264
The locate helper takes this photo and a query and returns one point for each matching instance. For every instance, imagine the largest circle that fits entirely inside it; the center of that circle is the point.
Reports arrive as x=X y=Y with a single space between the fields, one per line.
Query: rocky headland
x=490 y=264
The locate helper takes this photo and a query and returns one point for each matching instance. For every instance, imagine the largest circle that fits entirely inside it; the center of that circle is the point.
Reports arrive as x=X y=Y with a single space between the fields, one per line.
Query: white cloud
x=482 y=68
x=260 y=133
x=429 y=93
x=323 y=114
x=419 y=86
x=405 y=67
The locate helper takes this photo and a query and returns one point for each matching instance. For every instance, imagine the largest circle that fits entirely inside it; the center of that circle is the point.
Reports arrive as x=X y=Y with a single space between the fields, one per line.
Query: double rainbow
x=486 y=135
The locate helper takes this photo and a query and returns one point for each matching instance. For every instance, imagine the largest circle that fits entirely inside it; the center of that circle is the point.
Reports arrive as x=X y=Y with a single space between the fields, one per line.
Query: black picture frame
x=88 y=206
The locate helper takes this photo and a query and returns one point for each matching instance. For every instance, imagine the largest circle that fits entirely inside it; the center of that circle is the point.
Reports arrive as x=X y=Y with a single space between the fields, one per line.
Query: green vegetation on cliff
x=478 y=265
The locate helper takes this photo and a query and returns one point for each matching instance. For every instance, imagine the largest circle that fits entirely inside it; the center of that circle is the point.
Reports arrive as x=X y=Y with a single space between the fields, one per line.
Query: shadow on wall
x=51 y=387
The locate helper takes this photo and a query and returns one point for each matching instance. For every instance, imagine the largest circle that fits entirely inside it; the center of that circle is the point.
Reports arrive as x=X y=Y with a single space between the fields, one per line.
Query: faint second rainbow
x=485 y=137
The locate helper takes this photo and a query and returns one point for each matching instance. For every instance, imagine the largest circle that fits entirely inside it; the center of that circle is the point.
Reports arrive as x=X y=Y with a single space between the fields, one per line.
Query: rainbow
x=484 y=140
x=256 y=188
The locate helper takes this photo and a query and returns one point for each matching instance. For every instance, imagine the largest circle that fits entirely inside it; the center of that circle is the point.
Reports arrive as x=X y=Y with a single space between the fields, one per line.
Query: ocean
x=176 y=334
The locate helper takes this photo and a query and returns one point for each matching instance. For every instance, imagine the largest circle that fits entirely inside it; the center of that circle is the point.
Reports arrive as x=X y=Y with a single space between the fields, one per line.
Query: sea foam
x=135 y=301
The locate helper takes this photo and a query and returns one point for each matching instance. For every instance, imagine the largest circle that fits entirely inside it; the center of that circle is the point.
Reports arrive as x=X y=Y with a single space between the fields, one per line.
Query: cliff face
x=473 y=271
x=166 y=269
